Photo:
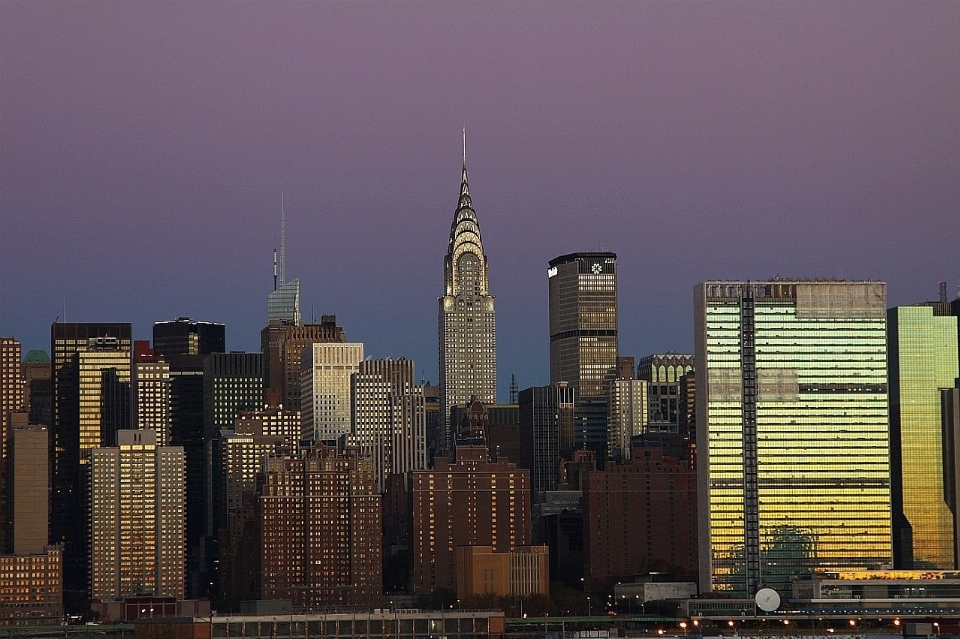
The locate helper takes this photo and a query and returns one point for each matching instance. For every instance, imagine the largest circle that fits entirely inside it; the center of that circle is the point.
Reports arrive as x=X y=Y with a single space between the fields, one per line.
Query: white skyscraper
x=325 y=389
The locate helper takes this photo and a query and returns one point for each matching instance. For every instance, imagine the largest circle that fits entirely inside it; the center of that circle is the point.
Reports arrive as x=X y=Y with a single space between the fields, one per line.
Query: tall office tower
x=325 y=390
x=469 y=501
x=792 y=430
x=232 y=382
x=256 y=435
x=468 y=327
x=583 y=321
x=91 y=376
x=183 y=336
x=321 y=531
x=922 y=359
x=11 y=400
x=642 y=518
x=11 y=388
x=388 y=417
x=283 y=303
x=27 y=490
x=150 y=392
x=547 y=415
x=136 y=521
x=282 y=344
x=184 y=344
x=626 y=415
x=38 y=387
x=663 y=372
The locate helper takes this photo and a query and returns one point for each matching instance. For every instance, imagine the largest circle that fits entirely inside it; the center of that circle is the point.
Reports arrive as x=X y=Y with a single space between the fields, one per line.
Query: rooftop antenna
x=283 y=243
x=513 y=388
x=274 y=268
x=464 y=145
x=943 y=292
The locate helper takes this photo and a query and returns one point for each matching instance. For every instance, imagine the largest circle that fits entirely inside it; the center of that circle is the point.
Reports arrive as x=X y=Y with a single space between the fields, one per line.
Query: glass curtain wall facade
x=583 y=321
x=923 y=359
x=792 y=419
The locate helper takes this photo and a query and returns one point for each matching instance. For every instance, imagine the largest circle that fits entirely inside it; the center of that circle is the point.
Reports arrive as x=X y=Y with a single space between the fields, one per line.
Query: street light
x=683 y=624
x=588 y=607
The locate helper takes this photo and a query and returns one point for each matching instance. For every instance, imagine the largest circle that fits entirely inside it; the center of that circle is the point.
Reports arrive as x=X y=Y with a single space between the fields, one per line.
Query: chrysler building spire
x=467 y=325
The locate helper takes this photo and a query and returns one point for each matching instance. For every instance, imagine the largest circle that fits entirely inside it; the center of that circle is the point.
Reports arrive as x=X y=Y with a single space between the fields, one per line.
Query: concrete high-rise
x=282 y=345
x=150 y=392
x=27 y=490
x=256 y=435
x=136 y=520
x=388 y=417
x=583 y=321
x=467 y=322
x=626 y=416
x=792 y=430
x=325 y=389
x=922 y=355
x=11 y=401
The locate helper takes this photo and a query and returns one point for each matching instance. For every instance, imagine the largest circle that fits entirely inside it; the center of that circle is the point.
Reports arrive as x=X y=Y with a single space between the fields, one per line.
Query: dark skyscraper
x=547 y=419
x=185 y=337
x=85 y=356
x=467 y=324
x=184 y=344
x=583 y=321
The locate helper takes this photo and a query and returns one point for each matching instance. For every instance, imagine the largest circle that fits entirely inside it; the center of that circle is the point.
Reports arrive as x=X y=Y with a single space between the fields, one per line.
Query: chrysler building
x=467 y=324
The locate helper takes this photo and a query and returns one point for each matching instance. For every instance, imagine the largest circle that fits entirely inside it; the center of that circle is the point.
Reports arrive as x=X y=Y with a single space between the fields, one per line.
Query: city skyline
x=698 y=141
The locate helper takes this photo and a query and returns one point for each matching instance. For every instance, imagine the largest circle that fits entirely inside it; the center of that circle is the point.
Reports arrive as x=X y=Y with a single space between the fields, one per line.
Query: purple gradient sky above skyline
x=143 y=148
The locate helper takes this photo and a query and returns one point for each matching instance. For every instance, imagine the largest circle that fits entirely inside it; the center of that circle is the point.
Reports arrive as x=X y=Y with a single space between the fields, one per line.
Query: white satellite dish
x=767 y=599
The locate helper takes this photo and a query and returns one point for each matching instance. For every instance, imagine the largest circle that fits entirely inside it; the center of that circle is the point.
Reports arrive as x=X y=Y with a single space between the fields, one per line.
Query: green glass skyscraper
x=793 y=446
x=922 y=352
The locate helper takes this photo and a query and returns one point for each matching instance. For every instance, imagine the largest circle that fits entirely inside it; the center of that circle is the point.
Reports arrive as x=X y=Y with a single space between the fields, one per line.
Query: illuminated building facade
x=325 y=389
x=321 y=526
x=137 y=542
x=922 y=352
x=792 y=430
x=388 y=417
x=282 y=345
x=626 y=415
x=467 y=322
x=470 y=501
x=583 y=321
x=150 y=392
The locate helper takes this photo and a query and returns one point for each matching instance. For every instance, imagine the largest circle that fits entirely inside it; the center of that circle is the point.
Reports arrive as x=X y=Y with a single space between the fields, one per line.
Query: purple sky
x=143 y=147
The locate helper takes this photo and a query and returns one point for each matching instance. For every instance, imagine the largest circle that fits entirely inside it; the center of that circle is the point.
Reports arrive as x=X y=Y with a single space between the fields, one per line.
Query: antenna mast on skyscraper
x=513 y=388
x=283 y=243
x=464 y=145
